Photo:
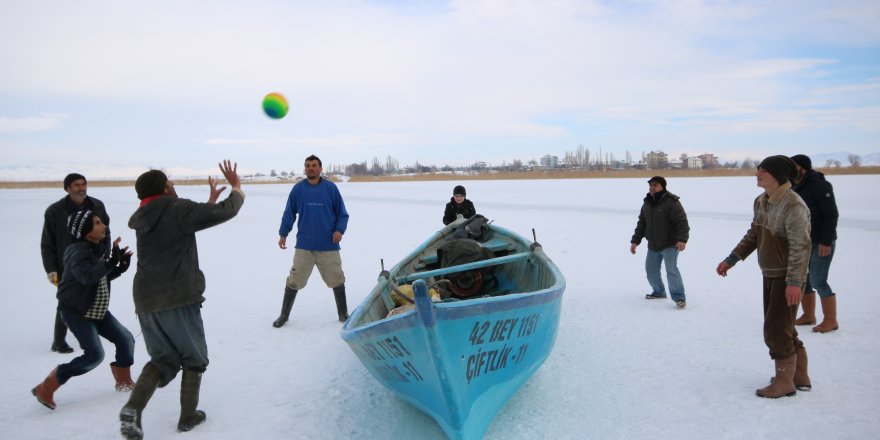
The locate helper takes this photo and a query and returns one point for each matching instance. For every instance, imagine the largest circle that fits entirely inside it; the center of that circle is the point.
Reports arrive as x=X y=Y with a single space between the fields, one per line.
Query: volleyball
x=275 y=105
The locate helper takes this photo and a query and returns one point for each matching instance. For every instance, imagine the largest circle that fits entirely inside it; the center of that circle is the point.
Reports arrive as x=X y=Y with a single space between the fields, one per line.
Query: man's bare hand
x=824 y=251
x=632 y=248
x=337 y=236
x=282 y=242
x=722 y=268
x=793 y=294
x=680 y=246
x=215 y=193
x=230 y=172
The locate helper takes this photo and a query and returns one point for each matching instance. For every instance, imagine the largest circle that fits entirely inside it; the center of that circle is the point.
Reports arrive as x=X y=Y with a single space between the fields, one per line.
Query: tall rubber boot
x=341 y=306
x=59 y=345
x=130 y=415
x=809 y=304
x=286 y=305
x=783 y=383
x=45 y=391
x=122 y=375
x=190 y=384
x=801 y=374
x=829 y=318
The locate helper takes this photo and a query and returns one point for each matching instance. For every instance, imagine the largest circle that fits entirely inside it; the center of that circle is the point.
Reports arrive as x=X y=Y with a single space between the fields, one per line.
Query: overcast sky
x=113 y=88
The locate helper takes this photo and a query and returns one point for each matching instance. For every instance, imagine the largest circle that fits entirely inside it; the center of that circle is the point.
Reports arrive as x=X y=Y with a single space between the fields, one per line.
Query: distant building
x=694 y=163
x=549 y=161
x=656 y=160
x=479 y=166
x=709 y=160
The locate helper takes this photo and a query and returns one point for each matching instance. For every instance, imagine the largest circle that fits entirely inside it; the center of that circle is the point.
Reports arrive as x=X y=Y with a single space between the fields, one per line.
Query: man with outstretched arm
x=169 y=291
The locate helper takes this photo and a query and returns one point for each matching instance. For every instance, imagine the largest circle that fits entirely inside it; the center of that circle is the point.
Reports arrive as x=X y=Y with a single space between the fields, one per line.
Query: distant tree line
x=579 y=159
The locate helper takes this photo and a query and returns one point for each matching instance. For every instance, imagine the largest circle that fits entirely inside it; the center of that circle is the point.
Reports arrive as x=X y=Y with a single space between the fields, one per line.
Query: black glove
x=124 y=262
x=114 y=257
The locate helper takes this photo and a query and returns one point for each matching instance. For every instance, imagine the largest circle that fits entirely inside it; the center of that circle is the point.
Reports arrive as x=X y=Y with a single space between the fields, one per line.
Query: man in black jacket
x=663 y=222
x=819 y=197
x=458 y=205
x=56 y=238
x=169 y=290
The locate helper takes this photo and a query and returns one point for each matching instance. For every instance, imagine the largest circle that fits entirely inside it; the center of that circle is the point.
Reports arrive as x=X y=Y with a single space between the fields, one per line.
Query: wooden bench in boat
x=493 y=245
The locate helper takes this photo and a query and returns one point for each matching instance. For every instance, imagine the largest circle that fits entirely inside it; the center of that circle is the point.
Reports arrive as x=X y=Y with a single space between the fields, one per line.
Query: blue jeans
x=652 y=268
x=819 y=268
x=88 y=333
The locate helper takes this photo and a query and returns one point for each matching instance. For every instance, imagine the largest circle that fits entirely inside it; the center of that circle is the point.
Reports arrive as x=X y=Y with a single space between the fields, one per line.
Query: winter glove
x=114 y=257
x=53 y=278
x=124 y=263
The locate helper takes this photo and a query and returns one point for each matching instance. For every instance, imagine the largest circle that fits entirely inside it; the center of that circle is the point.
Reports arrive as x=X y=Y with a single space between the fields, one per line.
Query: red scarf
x=149 y=199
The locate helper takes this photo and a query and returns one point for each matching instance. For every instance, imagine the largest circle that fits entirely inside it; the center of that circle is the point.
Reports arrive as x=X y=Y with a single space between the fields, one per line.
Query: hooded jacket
x=168 y=274
x=818 y=194
x=780 y=231
x=663 y=222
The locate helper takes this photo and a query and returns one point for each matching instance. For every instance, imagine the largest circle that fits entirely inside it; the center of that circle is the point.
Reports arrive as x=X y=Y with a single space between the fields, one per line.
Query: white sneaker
x=681 y=304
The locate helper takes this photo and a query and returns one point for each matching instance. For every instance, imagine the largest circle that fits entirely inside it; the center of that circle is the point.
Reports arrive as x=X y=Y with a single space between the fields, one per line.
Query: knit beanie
x=780 y=167
x=73 y=177
x=150 y=183
x=80 y=223
x=459 y=190
x=659 y=180
x=803 y=161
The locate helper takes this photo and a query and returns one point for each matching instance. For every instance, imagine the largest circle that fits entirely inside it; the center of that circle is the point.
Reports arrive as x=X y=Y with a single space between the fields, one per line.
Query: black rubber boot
x=289 y=297
x=190 y=417
x=341 y=306
x=59 y=345
x=130 y=415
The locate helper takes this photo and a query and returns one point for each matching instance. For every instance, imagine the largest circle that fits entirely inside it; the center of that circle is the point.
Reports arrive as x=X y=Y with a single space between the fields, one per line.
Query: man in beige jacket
x=780 y=232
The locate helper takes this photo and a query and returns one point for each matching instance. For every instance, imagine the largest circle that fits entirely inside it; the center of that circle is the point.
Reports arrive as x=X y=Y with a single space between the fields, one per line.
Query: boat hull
x=460 y=361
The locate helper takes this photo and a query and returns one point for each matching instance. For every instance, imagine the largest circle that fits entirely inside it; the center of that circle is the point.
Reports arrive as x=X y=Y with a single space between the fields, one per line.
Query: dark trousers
x=779 y=331
x=60 y=333
x=89 y=333
x=175 y=339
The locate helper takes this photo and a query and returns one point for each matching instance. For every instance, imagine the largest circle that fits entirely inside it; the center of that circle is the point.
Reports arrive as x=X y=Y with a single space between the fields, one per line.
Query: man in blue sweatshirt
x=321 y=219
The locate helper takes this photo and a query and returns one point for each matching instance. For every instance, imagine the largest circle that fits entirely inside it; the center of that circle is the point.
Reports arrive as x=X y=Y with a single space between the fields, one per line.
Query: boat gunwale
x=453 y=309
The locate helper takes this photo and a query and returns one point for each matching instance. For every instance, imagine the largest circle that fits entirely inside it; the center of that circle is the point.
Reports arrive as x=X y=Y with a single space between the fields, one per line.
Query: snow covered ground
x=622 y=368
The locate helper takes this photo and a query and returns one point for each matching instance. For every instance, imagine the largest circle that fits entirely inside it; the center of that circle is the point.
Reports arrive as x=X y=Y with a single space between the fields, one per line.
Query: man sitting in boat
x=458 y=204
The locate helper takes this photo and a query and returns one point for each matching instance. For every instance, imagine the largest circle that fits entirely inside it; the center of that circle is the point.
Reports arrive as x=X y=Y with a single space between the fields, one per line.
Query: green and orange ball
x=275 y=105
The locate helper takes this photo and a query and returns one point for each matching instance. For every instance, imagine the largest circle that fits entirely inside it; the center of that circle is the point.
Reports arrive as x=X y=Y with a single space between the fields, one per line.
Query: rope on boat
x=393 y=285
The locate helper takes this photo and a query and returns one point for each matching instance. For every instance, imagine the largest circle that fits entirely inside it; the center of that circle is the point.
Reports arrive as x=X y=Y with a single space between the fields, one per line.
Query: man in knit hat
x=169 y=290
x=780 y=232
x=84 y=301
x=56 y=238
x=819 y=197
x=459 y=204
x=663 y=222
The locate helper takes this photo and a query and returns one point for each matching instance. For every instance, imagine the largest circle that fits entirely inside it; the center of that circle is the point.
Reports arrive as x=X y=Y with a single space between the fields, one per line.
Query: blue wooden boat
x=460 y=360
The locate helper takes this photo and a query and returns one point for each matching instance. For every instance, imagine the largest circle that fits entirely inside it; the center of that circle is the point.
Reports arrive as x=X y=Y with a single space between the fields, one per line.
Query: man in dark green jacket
x=168 y=290
x=663 y=222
